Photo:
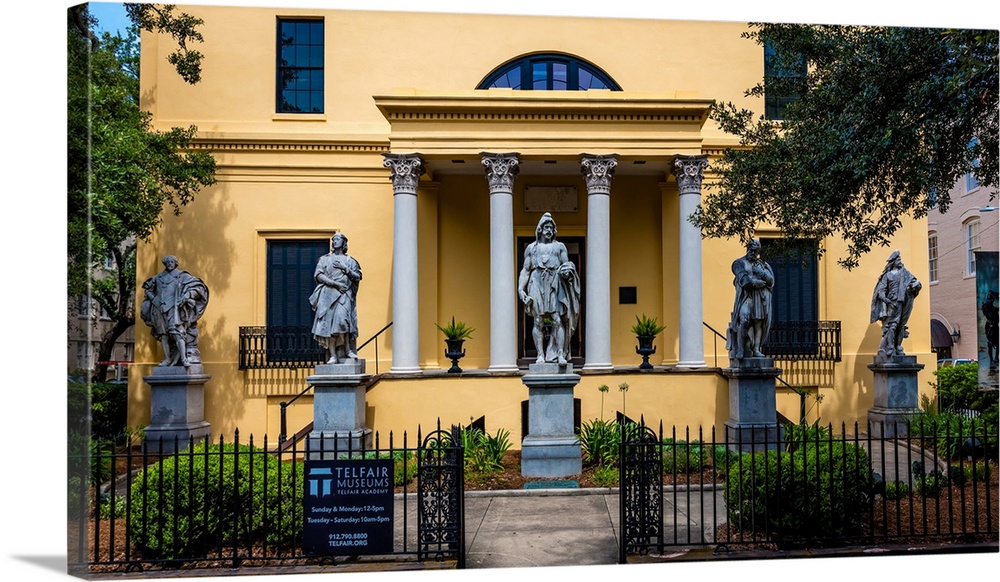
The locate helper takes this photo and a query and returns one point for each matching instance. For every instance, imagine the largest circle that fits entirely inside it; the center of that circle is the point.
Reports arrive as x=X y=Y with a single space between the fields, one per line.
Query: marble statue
x=549 y=287
x=892 y=302
x=335 y=325
x=751 y=317
x=173 y=302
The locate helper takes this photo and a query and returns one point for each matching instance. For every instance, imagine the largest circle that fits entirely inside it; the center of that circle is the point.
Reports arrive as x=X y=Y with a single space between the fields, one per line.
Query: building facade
x=435 y=142
x=953 y=238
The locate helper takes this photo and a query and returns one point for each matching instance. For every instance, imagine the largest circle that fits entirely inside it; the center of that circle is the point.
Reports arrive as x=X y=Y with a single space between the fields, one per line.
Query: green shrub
x=404 y=465
x=818 y=491
x=484 y=452
x=187 y=504
x=947 y=432
x=896 y=490
x=931 y=484
x=723 y=458
x=112 y=508
x=600 y=442
x=958 y=389
x=683 y=457
x=797 y=435
x=606 y=476
x=978 y=471
x=101 y=405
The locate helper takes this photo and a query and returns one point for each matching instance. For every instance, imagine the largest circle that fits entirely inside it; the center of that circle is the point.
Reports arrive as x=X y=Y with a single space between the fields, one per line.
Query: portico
x=514 y=141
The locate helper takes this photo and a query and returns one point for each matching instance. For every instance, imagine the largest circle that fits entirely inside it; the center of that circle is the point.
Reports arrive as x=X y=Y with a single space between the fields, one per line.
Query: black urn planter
x=645 y=349
x=454 y=353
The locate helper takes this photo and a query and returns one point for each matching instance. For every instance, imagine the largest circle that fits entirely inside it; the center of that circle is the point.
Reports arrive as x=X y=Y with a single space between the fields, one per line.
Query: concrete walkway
x=569 y=527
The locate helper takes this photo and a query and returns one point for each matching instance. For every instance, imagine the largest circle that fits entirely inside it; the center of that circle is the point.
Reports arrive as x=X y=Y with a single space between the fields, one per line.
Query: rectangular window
x=290 y=268
x=971 y=183
x=932 y=257
x=82 y=355
x=794 y=299
x=971 y=245
x=780 y=80
x=83 y=306
x=300 y=66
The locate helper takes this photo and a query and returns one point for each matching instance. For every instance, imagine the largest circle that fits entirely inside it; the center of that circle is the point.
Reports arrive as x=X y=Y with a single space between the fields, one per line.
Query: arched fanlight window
x=548 y=72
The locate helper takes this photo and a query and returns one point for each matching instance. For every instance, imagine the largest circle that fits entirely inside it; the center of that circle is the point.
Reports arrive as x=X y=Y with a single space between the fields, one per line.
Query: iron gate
x=641 y=488
x=441 y=494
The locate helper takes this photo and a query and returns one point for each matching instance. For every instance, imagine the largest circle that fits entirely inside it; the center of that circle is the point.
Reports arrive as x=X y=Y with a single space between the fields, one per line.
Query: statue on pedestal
x=549 y=287
x=892 y=302
x=334 y=300
x=992 y=316
x=751 y=317
x=173 y=302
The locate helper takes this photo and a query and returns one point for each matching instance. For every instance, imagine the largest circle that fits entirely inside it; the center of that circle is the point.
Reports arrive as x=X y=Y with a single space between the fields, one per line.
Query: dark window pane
x=514 y=78
x=539 y=75
x=300 y=66
x=545 y=72
x=560 y=77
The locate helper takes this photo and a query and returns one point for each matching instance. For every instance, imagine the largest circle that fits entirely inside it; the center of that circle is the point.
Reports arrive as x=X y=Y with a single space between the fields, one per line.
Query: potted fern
x=455 y=335
x=646 y=329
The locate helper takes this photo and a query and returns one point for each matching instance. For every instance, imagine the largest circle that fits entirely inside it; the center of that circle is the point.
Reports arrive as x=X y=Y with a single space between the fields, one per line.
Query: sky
x=32 y=489
x=111 y=16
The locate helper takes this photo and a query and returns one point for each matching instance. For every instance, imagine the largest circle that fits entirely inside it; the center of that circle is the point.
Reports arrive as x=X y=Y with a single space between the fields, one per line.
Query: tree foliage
x=886 y=120
x=121 y=172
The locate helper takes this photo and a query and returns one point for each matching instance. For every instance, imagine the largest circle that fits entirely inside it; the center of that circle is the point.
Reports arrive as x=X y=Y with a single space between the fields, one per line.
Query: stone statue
x=751 y=317
x=549 y=287
x=992 y=316
x=174 y=300
x=334 y=300
x=892 y=302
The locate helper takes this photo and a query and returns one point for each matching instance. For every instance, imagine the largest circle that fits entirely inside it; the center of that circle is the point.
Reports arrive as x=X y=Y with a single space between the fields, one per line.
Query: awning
x=940 y=336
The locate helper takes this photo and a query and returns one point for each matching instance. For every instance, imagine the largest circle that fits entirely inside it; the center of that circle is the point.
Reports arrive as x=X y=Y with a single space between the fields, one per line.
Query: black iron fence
x=240 y=504
x=807 y=486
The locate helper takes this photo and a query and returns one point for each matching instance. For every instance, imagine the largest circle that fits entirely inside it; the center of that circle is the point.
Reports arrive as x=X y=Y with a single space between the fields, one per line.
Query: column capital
x=690 y=171
x=597 y=171
x=501 y=169
x=404 y=171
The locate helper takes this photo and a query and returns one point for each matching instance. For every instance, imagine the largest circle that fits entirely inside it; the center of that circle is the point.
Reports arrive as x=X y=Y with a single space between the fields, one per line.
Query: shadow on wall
x=863 y=396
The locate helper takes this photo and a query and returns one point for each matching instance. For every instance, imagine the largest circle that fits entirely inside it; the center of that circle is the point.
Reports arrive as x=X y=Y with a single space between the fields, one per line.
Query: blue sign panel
x=348 y=507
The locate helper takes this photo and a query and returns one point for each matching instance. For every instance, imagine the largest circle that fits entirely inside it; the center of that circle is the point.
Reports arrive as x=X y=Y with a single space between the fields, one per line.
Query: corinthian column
x=405 y=171
x=597 y=171
x=689 y=171
x=501 y=169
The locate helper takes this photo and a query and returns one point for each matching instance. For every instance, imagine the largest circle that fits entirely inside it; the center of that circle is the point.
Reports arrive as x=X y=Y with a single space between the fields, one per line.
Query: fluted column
x=501 y=169
x=597 y=171
x=405 y=172
x=689 y=171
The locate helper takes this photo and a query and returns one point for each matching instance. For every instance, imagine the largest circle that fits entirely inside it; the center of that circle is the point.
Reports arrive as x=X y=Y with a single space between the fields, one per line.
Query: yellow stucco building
x=315 y=118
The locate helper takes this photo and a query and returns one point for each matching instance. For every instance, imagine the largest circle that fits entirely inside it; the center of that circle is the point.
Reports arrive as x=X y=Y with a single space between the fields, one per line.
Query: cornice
x=521 y=106
x=300 y=143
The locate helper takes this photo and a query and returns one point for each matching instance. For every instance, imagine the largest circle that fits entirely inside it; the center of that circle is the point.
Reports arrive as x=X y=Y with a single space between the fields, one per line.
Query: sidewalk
x=565 y=527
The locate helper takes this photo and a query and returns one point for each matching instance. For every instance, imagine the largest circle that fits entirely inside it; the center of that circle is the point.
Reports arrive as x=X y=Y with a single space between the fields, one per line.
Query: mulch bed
x=971 y=508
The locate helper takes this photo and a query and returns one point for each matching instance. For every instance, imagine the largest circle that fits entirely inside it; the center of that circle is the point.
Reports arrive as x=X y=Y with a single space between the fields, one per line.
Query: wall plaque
x=551 y=199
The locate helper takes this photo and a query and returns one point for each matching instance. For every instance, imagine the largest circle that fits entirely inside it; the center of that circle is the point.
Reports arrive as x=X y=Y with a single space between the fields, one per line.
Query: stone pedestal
x=753 y=419
x=338 y=411
x=177 y=408
x=896 y=395
x=551 y=447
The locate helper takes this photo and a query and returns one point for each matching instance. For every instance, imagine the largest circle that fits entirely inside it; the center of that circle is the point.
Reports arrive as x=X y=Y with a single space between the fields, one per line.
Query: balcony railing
x=804 y=340
x=263 y=347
